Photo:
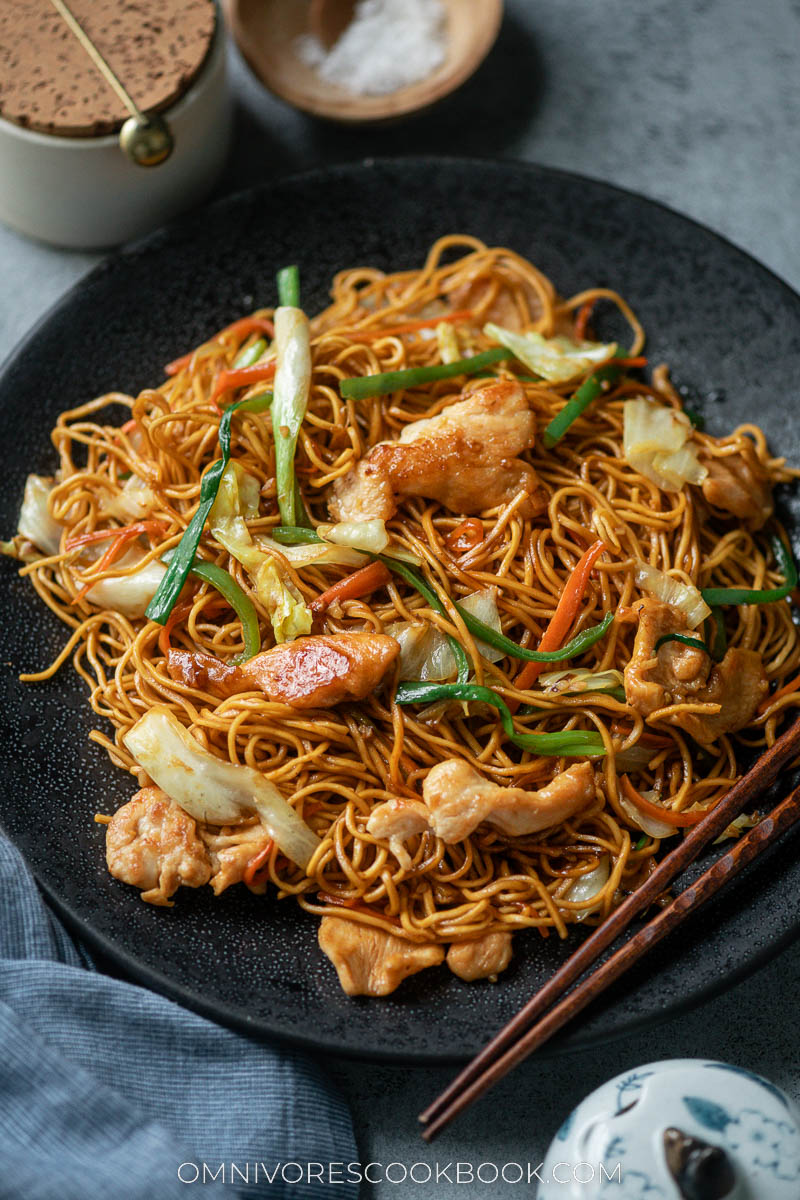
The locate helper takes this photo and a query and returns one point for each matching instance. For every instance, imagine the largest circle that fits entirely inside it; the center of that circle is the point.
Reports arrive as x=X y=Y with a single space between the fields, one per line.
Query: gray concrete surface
x=692 y=102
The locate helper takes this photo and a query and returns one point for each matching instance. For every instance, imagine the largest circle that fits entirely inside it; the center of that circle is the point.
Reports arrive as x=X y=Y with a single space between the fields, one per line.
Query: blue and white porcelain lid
x=684 y=1129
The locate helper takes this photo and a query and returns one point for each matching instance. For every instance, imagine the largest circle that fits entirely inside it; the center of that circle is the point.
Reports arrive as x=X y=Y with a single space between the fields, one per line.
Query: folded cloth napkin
x=109 y=1090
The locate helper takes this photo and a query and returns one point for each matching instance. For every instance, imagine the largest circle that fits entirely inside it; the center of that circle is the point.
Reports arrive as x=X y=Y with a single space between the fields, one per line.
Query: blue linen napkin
x=109 y=1090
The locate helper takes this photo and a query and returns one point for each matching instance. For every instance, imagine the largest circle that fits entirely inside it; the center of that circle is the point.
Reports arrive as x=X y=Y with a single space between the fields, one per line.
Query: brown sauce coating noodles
x=336 y=765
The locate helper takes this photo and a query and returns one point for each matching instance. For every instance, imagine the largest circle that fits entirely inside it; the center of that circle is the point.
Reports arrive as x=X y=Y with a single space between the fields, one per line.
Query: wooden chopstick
x=761 y=836
x=743 y=793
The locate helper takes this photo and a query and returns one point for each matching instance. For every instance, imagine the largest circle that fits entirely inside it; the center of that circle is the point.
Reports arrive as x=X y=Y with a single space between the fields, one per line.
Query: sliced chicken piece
x=482 y=959
x=318 y=672
x=677 y=674
x=398 y=820
x=502 y=309
x=738 y=685
x=465 y=457
x=310 y=672
x=370 y=962
x=153 y=844
x=206 y=673
x=459 y=799
x=230 y=851
x=366 y=492
x=738 y=484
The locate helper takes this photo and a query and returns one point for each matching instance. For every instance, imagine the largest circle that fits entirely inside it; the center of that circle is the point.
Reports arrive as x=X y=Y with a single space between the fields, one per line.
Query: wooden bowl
x=266 y=32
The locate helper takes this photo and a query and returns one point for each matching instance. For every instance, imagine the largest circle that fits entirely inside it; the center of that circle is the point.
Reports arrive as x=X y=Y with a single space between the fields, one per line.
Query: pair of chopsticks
x=534 y=1024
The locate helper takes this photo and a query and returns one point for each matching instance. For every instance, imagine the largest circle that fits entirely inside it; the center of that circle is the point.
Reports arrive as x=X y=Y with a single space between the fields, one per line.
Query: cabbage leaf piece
x=684 y=596
x=656 y=443
x=555 y=359
x=211 y=789
x=425 y=652
x=35 y=520
x=236 y=502
x=128 y=594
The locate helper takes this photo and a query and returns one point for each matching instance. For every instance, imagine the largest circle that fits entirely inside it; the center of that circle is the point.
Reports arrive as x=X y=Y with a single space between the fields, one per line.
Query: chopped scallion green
x=568 y=743
x=359 y=387
x=240 y=602
x=787 y=567
x=695 y=643
x=589 y=390
x=182 y=560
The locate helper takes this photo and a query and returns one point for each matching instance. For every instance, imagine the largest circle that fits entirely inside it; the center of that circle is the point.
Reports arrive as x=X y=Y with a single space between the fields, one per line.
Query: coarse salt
x=388 y=45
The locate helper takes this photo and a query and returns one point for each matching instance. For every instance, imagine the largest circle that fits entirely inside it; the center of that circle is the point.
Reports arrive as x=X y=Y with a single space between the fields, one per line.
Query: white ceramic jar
x=84 y=193
x=684 y=1129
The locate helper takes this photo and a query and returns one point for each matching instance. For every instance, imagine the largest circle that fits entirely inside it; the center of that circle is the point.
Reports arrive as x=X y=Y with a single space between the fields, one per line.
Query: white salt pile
x=387 y=45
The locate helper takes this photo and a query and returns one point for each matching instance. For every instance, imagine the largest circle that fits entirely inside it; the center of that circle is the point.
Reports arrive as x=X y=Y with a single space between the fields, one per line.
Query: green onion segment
x=182 y=560
x=589 y=390
x=291 y=389
x=787 y=567
x=251 y=355
x=695 y=643
x=720 y=643
x=569 y=743
x=240 y=602
x=359 y=387
x=288 y=280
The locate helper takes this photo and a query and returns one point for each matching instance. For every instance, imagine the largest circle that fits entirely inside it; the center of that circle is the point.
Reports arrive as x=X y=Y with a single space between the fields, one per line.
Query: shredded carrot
x=177 y=364
x=465 y=314
x=544 y=931
x=121 y=538
x=667 y=815
x=465 y=536
x=102 y=819
x=640 y=361
x=792 y=686
x=242 y=328
x=361 y=583
x=179 y=613
x=256 y=872
x=129 y=426
x=240 y=377
x=562 y=619
x=582 y=318
x=101 y=535
x=84 y=539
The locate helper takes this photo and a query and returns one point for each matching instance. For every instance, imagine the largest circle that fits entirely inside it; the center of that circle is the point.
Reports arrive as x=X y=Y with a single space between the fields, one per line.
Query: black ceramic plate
x=731 y=331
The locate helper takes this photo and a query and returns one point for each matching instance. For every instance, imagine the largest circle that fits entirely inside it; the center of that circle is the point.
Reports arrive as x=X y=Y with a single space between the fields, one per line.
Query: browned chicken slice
x=310 y=672
x=676 y=674
x=504 y=308
x=738 y=484
x=482 y=959
x=206 y=673
x=459 y=799
x=370 y=962
x=738 y=685
x=465 y=457
x=230 y=851
x=398 y=820
x=153 y=844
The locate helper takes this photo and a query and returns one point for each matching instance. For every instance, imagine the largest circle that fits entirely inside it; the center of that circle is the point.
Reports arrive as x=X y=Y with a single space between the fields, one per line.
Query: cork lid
x=49 y=83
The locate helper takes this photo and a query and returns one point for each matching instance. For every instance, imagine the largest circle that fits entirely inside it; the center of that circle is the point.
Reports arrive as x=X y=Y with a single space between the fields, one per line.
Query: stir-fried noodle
x=665 y=756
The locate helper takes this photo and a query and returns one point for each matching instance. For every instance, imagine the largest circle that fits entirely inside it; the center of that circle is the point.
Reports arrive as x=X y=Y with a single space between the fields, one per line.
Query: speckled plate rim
x=233 y=1018
x=127 y=963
